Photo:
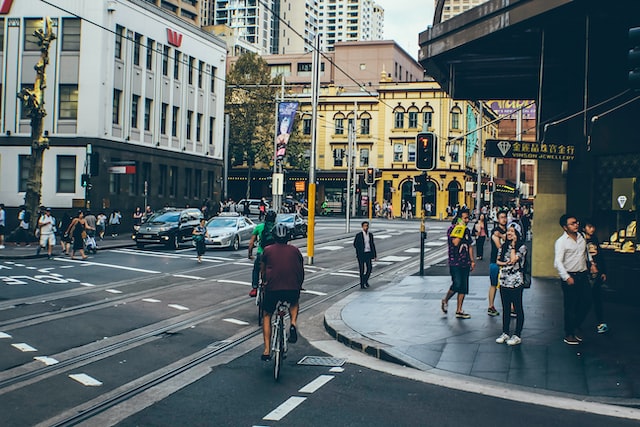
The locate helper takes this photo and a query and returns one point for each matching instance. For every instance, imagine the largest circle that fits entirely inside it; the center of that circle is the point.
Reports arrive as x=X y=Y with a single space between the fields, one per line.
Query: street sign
x=277 y=184
x=123 y=170
x=535 y=150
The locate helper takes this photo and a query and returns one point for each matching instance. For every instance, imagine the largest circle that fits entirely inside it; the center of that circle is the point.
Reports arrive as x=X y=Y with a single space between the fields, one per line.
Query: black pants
x=255 y=274
x=512 y=296
x=480 y=247
x=577 y=301
x=364 y=264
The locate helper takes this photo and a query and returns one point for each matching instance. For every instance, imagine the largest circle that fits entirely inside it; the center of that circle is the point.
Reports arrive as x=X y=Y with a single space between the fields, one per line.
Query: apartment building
x=349 y=20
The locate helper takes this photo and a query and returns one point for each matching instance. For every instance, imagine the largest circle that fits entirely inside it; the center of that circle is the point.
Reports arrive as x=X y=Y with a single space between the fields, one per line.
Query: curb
x=44 y=255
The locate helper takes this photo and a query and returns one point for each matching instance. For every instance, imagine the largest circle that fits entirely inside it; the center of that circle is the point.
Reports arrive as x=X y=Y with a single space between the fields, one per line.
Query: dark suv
x=170 y=227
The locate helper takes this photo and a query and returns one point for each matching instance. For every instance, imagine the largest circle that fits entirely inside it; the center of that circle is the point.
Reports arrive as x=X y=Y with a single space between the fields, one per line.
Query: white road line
x=151 y=300
x=236 y=321
x=46 y=360
x=113 y=291
x=329 y=248
x=148 y=254
x=234 y=282
x=345 y=274
x=381 y=263
x=73 y=280
x=45 y=270
x=314 y=385
x=281 y=411
x=31 y=268
x=19 y=265
x=382 y=236
x=443 y=238
x=85 y=380
x=434 y=244
x=4 y=335
x=100 y=264
x=313 y=292
x=250 y=264
x=336 y=369
x=392 y=258
x=178 y=307
x=413 y=250
x=89 y=285
x=185 y=276
x=67 y=266
x=23 y=347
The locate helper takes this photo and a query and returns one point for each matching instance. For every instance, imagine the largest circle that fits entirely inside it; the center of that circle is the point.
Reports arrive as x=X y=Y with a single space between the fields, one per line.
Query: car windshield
x=222 y=222
x=166 y=217
x=284 y=218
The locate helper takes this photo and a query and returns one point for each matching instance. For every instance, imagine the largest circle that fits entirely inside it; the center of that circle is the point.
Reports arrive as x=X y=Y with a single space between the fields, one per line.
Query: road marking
x=179 y=307
x=383 y=236
x=100 y=264
x=234 y=282
x=330 y=248
x=148 y=254
x=281 y=411
x=31 y=268
x=113 y=291
x=71 y=280
x=381 y=263
x=313 y=292
x=67 y=266
x=86 y=284
x=392 y=258
x=413 y=250
x=339 y=273
x=434 y=244
x=185 y=276
x=85 y=380
x=336 y=369
x=151 y=300
x=250 y=264
x=24 y=347
x=46 y=360
x=46 y=270
x=4 y=267
x=443 y=238
x=4 y=335
x=19 y=265
x=236 y=321
x=314 y=385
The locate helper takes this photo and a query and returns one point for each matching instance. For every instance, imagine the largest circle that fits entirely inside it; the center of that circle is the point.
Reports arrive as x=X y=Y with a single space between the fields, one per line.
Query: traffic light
x=634 y=58
x=421 y=183
x=491 y=186
x=426 y=151
x=85 y=180
x=370 y=176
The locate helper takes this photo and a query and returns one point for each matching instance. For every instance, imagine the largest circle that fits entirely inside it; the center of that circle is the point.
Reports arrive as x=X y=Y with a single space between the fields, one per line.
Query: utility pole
x=479 y=148
x=519 y=161
x=315 y=89
x=33 y=101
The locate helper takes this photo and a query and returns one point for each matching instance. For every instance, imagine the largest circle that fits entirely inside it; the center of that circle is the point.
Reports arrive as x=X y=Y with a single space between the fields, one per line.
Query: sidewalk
x=11 y=251
x=402 y=323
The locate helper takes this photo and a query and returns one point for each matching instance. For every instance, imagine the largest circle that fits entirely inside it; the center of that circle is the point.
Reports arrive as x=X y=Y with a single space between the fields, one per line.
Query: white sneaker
x=1 y=246
x=502 y=338
x=514 y=340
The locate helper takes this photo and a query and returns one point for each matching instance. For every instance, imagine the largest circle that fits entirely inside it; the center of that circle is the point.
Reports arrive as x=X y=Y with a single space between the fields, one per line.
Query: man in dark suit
x=365 y=252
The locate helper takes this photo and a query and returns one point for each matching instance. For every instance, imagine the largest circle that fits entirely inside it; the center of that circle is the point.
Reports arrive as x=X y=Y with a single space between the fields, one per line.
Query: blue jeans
x=459 y=279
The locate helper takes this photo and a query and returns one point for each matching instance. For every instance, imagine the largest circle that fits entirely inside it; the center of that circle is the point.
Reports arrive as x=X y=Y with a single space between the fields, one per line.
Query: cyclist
x=282 y=273
x=262 y=236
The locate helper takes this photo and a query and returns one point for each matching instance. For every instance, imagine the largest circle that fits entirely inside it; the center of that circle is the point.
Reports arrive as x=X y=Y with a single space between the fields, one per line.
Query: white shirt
x=2 y=217
x=367 y=245
x=570 y=255
x=46 y=224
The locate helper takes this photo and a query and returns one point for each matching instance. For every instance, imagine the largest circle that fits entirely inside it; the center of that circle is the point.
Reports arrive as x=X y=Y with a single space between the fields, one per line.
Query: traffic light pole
x=423 y=236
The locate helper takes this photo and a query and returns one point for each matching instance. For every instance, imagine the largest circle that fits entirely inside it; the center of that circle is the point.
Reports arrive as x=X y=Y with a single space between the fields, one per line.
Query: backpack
x=26 y=217
x=267 y=237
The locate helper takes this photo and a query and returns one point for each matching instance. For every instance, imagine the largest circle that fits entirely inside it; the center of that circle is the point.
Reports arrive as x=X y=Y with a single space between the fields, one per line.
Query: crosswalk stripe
x=316 y=384
x=236 y=321
x=46 y=360
x=281 y=411
x=85 y=380
x=178 y=307
x=24 y=347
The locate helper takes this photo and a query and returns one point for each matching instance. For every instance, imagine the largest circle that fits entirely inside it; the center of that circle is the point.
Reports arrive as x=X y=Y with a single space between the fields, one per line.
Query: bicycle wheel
x=259 y=303
x=279 y=350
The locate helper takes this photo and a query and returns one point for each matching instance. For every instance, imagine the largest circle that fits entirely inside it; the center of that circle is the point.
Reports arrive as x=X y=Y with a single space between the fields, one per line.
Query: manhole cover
x=321 y=361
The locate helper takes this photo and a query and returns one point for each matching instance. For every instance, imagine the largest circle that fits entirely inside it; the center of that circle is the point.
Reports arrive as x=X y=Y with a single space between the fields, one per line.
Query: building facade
x=349 y=20
x=189 y=10
x=297 y=26
x=134 y=98
x=447 y=9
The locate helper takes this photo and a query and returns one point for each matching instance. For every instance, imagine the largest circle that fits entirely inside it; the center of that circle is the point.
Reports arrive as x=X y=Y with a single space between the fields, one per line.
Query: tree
x=250 y=102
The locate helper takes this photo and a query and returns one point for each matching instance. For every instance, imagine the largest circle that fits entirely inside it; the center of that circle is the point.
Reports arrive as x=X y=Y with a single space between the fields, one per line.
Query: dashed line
x=85 y=380
x=236 y=321
x=86 y=284
x=281 y=411
x=392 y=258
x=234 y=282
x=24 y=347
x=314 y=385
x=100 y=264
x=113 y=291
x=185 y=276
x=178 y=307
x=339 y=273
x=313 y=292
x=151 y=300
x=46 y=360
x=31 y=268
x=4 y=335
x=330 y=248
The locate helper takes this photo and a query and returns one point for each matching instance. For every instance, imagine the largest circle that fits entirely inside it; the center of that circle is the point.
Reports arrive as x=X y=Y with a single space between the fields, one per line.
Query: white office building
x=138 y=88
x=350 y=20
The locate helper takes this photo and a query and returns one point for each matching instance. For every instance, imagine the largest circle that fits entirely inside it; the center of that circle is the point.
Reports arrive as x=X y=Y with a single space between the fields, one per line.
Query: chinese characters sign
x=529 y=150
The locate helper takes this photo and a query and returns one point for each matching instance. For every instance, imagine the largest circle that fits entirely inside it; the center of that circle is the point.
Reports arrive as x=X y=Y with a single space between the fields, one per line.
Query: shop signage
x=623 y=194
x=300 y=186
x=123 y=170
x=5 y=6
x=174 y=38
x=529 y=150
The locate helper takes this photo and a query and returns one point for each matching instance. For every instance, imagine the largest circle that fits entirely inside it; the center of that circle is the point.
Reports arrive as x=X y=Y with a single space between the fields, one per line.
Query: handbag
x=84 y=234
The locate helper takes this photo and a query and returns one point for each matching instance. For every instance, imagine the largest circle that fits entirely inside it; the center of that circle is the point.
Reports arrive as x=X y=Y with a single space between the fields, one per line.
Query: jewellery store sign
x=529 y=150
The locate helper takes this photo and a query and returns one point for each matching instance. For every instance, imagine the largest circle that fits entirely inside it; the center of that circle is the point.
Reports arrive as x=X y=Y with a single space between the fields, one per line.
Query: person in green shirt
x=261 y=237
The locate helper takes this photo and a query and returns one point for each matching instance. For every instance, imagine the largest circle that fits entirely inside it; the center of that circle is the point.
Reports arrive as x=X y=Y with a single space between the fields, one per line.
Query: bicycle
x=259 y=300
x=280 y=322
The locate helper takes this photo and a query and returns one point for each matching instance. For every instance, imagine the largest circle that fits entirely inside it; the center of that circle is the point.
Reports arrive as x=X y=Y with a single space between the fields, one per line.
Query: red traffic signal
x=370 y=176
x=491 y=186
x=426 y=151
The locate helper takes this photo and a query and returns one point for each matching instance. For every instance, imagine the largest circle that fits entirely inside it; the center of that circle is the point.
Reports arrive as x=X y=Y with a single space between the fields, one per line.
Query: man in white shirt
x=365 y=252
x=571 y=258
x=46 y=224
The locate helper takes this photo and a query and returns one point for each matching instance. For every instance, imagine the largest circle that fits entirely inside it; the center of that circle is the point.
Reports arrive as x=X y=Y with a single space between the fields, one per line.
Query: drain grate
x=321 y=361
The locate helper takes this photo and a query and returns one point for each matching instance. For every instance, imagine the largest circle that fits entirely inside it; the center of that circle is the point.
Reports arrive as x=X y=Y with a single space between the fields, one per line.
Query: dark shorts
x=271 y=299
x=460 y=279
x=1 y=229
x=494 y=270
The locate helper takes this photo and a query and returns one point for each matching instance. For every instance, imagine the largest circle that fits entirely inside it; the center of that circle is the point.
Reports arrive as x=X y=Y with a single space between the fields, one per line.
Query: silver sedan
x=230 y=231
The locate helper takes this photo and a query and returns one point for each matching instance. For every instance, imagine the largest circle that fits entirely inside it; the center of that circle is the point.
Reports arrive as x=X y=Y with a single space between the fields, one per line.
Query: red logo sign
x=174 y=38
x=5 y=6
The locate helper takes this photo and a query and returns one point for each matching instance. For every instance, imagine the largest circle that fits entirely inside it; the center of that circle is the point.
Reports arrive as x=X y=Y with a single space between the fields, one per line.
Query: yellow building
x=388 y=120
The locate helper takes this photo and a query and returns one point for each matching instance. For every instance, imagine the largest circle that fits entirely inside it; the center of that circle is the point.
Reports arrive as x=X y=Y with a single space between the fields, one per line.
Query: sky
x=405 y=19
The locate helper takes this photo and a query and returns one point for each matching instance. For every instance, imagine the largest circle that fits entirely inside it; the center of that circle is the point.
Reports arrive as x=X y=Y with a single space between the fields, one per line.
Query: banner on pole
x=286 y=114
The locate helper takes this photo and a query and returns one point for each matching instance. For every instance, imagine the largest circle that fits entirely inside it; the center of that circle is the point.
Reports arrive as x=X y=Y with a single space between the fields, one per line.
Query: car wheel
x=174 y=242
x=236 y=243
x=139 y=245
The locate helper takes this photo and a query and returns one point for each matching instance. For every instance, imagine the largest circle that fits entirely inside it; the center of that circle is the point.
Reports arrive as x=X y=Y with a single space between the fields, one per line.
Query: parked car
x=169 y=226
x=254 y=206
x=294 y=222
x=229 y=230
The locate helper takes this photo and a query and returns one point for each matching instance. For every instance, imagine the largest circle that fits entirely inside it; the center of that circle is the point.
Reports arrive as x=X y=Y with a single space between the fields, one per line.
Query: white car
x=254 y=206
x=229 y=230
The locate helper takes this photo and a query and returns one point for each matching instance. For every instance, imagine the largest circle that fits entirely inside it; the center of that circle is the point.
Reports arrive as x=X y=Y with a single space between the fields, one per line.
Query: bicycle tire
x=260 y=304
x=279 y=353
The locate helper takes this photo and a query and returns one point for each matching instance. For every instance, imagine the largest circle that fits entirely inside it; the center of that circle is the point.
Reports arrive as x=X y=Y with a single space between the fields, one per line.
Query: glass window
x=200 y=73
x=1 y=34
x=117 y=96
x=399 y=120
x=70 y=34
x=189 y=120
x=148 y=104
x=339 y=126
x=174 y=121
x=187 y=182
x=338 y=157
x=66 y=174
x=365 y=126
x=24 y=111
x=192 y=61
x=137 y=45
x=306 y=126
x=411 y=152
x=30 y=27
x=413 y=119
x=210 y=182
x=197 y=179
x=163 y=118
x=119 y=36
x=198 y=126
x=162 y=183
x=24 y=171
x=214 y=70
x=364 y=157
x=455 y=119
x=165 y=60
x=398 y=152
x=68 y=102
x=173 y=181
x=427 y=118
x=177 y=57
x=150 y=47
x=135 y=101
x=212 y=122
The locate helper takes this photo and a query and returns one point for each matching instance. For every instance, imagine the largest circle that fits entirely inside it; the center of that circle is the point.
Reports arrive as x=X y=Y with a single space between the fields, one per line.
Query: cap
x=516 y=226
x=48 y=209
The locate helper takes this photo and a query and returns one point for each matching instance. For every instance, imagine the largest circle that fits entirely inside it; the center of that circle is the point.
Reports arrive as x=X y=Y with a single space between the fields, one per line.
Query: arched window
x=413 y=117
x=338 y=122
x=456 y=113
x=398 y=122
x=427 y=116
x=365 y=124
x=454 y=192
